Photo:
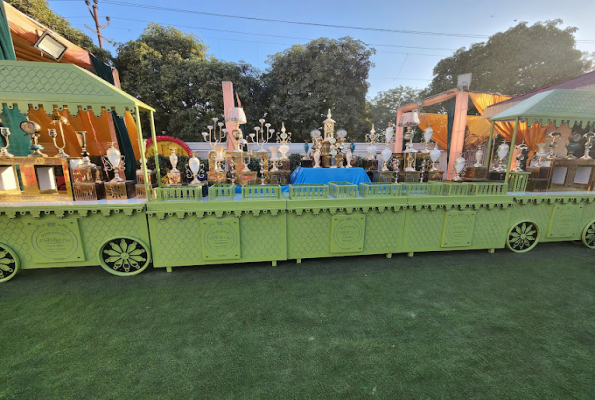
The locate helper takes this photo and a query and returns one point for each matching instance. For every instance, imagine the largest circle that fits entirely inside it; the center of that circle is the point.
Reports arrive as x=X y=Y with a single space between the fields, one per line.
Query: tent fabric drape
x=125 y=147
x=450 y=113
x=132 y=133
x=102 y=70
x=6 y=46
x=478 y=129
x=19 y=142
x=530 y=135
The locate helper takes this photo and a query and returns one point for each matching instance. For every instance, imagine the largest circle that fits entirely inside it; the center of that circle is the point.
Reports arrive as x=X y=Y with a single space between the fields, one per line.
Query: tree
x=40 y=11
x=382 y=108
x=171 y=71
x=522 y=59
x=304 y=81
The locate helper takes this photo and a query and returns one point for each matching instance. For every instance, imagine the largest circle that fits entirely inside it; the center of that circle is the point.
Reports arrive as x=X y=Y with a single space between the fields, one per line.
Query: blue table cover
x=326 y=175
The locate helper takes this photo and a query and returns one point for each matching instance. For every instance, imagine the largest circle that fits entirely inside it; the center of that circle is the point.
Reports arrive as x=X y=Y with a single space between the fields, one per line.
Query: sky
x=402 y=58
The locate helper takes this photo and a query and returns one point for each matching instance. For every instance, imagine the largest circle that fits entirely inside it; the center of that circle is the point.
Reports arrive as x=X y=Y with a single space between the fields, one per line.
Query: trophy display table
x=325 y=175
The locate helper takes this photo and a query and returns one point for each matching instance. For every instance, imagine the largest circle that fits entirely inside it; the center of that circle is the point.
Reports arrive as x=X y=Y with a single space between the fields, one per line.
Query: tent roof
x=557 y=106
x=49 y=85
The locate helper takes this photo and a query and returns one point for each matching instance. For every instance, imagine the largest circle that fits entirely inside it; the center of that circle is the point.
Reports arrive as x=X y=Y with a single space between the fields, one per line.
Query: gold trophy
x=60 y=121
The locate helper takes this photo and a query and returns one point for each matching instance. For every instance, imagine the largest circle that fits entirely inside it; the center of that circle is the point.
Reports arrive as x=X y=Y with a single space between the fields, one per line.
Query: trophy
x=502 y=153
x=521 y=157
x=194 y=167
x=174 y=177
x=459 y=167
x=428 y=133
x=60 y=121
x=284 y=138
x=396 y=163
x=478 y=158
x=434 y=157
x=88 y=184
x=552 y=145
x=5 y=133
x=588 y=145
x=274 y=157
x=32 y=129
x=114 y=162
x=541 y=154
x=371 y=138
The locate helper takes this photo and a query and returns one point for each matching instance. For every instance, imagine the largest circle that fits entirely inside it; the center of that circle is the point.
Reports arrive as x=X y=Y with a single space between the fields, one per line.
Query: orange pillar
x=458 y=131
x=227 y=104
x=398 y=147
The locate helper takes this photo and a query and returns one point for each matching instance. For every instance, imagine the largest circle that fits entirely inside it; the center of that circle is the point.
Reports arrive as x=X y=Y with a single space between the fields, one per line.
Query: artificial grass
x=440 y=325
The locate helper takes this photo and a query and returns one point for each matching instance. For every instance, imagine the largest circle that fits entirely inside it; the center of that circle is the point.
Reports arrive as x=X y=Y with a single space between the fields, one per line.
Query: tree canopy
x=171 y=71
x=522 y=59
x=304 y=81
x=382 y=108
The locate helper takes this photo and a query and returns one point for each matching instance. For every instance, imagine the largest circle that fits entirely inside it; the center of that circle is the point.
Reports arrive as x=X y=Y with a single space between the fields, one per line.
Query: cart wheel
x=522 y=237
x=124 y=256
x=589 y=235
x=9 y=263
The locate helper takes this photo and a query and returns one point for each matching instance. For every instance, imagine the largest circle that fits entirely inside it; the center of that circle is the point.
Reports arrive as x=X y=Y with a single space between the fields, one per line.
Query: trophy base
x=410 y=176
x=88 y=191
x=141 y=192
x=371 y=165
x=216 y=177
x=280 y=177
x=306 y=163
x=480 y=172
x=435 y=175
x=386 y=176
x=246 y=178
x=119 y=190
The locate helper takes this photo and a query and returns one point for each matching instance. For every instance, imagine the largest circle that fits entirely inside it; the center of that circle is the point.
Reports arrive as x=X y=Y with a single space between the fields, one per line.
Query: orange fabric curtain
x=531 y=135
x=132 y=133
x=98 y=132
x=478 y=129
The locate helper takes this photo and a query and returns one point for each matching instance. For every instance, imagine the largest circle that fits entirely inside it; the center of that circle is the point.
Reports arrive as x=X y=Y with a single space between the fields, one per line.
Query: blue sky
x=410 y=64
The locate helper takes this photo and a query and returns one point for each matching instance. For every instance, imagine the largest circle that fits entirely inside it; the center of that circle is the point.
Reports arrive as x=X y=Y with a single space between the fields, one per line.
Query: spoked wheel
x=124 y=256
x=9 y=263
x=522 y=237
x=589 y=235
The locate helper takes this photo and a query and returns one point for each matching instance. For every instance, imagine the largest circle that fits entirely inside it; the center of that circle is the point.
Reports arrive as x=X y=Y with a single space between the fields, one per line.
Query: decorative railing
x=342 y=190
x=308 y=191
x=169 y=193
x=377 y=189
x=220 y=192
x=487 y=189
x=261 y=192
x=517 y=181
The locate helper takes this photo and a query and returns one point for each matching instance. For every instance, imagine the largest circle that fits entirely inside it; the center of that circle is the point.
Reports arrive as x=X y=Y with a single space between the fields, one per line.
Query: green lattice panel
x=56 y=240
x=588 y=214
x=491 y=226
x=263 y=237
x=537 y=213
x=423 y=230
x=174 y=241
x=384 y=232
x=308 y=235
x=565 y=221
x=220 y=239
x=95 y=229
x=347 y=233
x=458 y=229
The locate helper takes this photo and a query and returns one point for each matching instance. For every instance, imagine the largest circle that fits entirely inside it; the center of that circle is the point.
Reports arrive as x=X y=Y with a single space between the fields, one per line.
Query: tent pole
x=511 y=151
x=488 y=155
x=157 y=169
x=141 y=146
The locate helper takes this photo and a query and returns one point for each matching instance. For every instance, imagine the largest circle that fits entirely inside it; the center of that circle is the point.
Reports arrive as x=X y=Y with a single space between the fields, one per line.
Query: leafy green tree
x=382 y=108
x=171 y=71
x=522 y=59
x=304 y=81
x=40 y=11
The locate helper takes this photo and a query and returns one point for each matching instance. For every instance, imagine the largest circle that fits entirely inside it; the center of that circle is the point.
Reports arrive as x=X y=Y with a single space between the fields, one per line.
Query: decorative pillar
x=398 y=145
x=458 y=131
x=228 y=103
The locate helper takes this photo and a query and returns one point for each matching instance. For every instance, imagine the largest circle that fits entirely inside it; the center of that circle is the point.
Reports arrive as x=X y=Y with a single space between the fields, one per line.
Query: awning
x=558 y=106
x=60 y=86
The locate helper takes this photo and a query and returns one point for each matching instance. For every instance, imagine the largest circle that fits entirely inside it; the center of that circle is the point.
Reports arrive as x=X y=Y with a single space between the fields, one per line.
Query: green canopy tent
x=558 y=106
x=25 y=84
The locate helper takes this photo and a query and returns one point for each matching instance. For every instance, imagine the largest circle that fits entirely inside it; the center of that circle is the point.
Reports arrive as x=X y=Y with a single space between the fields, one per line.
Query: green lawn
x=439 y=325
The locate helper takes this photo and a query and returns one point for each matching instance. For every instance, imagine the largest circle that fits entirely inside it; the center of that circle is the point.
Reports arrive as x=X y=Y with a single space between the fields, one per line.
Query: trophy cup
x=274 y=157
x=541 y=154
x=428 y=133
x=552 y=145
x=173 y=176
x=117 y=188
x=88 y=184
x=386 y=154
x=459 y=167
x=194 y=167
x=60 y=121
x=284 y=138
x=588 y=145
x=5 y=132
x=396 y=170
x=32 y=129
x=478 y=158
x=502 y=153
x=520 y=158
x=434 y=157
x=114 y=162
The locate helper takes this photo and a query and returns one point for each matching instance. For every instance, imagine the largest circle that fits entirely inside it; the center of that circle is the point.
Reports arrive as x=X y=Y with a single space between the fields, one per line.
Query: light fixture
x=50 y=45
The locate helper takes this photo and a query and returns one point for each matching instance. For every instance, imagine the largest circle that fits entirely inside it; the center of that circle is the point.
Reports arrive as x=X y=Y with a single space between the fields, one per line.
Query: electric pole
x=98 y=28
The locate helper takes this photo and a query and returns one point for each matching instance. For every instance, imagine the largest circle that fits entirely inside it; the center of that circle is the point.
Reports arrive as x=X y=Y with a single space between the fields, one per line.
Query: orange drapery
x=98 y=131
x=530 y=135
x=478 y=129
